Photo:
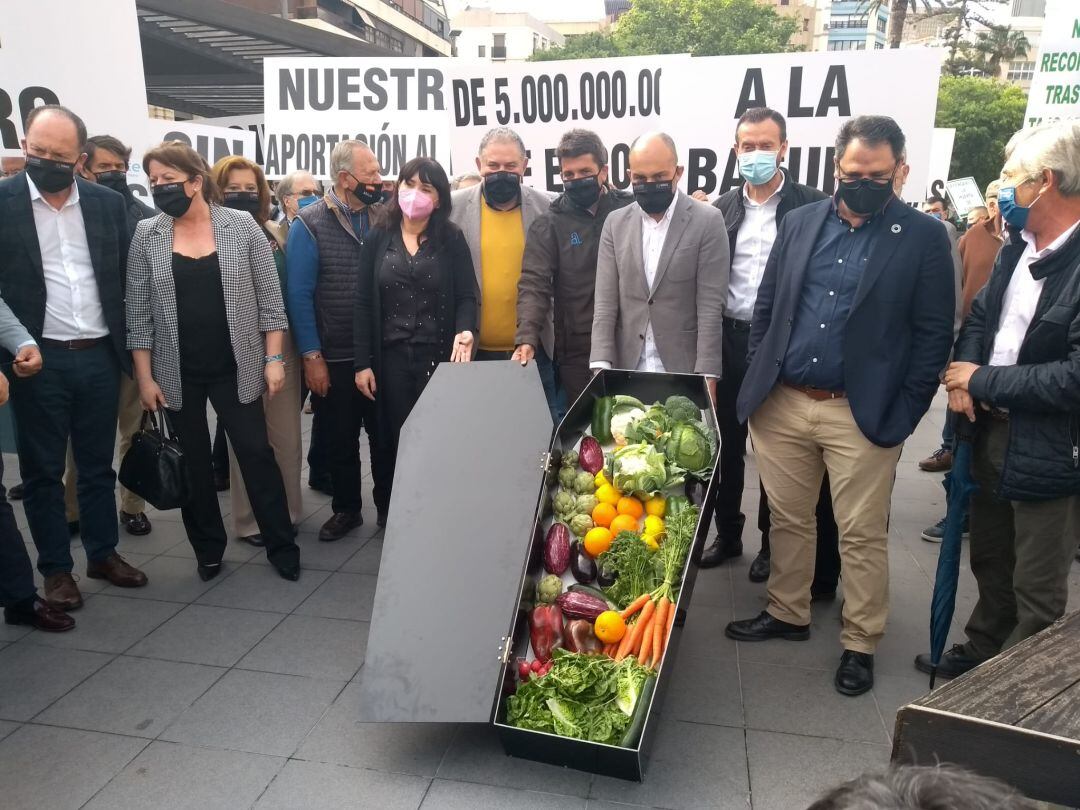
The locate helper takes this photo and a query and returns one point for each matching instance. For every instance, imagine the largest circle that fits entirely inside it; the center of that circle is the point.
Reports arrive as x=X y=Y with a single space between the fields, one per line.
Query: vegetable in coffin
x=584 y=483
x=578 y=605
x=585 y=504
x=641 y=468
x=545 y=631
x=581 y=564
x=580 y=524
x=570 y=459
x=691 y=446
x=681 y=409
x=548 y=589
x=557 y=549
x=591 y=456
x=564 y=504
x=580 y=638
x=601 y=419
x=567 y=476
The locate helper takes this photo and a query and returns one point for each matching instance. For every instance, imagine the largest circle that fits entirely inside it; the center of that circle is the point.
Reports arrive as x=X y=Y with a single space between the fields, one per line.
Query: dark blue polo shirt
x=815 y=354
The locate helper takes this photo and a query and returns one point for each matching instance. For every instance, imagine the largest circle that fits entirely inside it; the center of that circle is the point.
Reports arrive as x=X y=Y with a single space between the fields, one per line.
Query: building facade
x=481 y=33
x=853 y=27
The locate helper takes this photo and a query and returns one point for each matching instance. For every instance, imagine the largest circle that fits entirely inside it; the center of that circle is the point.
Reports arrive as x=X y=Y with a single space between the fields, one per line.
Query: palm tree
x=898 y=12
x=1000 y=44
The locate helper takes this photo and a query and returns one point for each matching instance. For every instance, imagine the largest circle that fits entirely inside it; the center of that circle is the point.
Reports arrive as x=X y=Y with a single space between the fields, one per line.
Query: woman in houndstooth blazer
x=206 y=321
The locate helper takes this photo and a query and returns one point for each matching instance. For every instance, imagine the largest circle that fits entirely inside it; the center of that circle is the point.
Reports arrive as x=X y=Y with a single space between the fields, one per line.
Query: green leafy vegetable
x=681 y=409
x=587 y=697
x=639 y=570
x=691 y=446
x=679 y=536
x=641 y=468
x=651 y=427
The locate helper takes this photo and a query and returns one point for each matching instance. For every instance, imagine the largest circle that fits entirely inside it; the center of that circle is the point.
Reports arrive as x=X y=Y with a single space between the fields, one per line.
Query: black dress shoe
x=16 y=493
x=761 y=567
x=289 y=572
x=137 y=524
x=340 y=524
x=253 y=540
x=954 y=662
x=764 y=627
x=855 y=675
x=380 y=519
x=719 y=552
x=39 y=614
x=822 y=594
x=208 y=571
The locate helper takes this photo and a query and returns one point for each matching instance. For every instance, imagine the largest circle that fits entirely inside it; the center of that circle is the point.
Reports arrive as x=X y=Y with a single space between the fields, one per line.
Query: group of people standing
x=824 y=325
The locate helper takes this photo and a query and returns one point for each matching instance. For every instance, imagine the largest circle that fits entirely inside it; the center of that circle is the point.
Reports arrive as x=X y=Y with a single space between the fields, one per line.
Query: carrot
x=647 y=640
x=665 y=636
x=635 y=606
x=659 y=626
x=633 y=638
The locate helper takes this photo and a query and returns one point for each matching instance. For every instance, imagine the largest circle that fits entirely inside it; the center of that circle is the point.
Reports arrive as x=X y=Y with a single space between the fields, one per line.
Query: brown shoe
x=939 y=461
x=339 y=525
x=40 y=614
x=61 y=592
x=117 y=570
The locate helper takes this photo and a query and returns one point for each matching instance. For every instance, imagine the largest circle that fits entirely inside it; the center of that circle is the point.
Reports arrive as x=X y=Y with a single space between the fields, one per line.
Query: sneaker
x=939 y=461
x=935 y=533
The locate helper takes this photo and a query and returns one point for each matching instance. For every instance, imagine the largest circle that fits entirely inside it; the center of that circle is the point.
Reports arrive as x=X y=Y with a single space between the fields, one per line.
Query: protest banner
x=212 y=142
x=110 y=97
x=965 y=195
x=1055 y=87
x=252 y=123
x=941 y=149
x=398 y=107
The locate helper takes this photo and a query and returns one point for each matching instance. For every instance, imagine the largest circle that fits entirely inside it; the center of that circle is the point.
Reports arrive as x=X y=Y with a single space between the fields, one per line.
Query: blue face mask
x=935 y=215
x=304 y=202
x=758 y=167
x=1011 y=211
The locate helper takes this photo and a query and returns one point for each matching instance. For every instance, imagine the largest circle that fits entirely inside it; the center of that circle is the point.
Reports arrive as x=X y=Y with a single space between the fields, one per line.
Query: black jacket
x=1042 y=391
x=22 y=280
x=560 y=263
x=792 y=195
x=899 y=331
x=137 y=211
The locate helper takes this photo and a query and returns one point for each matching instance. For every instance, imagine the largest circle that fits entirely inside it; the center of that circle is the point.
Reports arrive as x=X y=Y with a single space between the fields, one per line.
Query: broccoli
x=681 y=409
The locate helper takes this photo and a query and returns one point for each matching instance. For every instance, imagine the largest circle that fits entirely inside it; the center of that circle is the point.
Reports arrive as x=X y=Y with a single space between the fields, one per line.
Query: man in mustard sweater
x=495 y=216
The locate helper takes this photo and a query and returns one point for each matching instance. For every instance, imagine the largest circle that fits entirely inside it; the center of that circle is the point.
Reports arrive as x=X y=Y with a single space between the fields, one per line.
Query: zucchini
x=637 y=723
x=601 y=419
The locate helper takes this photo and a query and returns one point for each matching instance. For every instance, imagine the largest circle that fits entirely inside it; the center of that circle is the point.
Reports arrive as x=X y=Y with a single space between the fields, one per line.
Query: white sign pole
x=1055 y=87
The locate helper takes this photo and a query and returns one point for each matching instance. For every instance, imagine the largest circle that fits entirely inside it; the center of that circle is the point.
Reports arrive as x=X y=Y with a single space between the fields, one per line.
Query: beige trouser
x=129 y=416
x=283 y=431
x=796 y=440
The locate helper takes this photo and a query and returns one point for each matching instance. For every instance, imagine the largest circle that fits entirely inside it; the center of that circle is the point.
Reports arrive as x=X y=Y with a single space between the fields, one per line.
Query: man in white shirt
x=753 y=211
x=64 y=243
x=1016 y=374
x=661 y=274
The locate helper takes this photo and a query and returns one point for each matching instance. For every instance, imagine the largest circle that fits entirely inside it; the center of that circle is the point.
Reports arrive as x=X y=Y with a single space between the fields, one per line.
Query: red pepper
x=580 y=637
x=545 y=631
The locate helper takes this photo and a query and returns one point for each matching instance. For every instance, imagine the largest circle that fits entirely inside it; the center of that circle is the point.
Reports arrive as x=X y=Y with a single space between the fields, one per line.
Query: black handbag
x=154 y=467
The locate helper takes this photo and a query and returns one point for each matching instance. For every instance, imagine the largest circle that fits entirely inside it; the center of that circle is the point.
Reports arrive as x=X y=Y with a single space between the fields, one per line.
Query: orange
x=607 y=494
x=656 y=506
x=603 y=514
x=623 y=523
x=630 y=506
x=597 y=541
x=609 y=627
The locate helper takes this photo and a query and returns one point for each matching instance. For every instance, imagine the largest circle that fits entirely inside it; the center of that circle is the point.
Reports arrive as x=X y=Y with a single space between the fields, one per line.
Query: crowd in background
x=824 y=325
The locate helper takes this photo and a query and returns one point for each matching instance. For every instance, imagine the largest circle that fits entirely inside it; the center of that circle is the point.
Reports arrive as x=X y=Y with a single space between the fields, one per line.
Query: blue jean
x=948 y=431
x=75 y=395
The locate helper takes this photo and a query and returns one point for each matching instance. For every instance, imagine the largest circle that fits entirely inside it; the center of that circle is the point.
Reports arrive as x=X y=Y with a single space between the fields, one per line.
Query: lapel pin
x=896 y=228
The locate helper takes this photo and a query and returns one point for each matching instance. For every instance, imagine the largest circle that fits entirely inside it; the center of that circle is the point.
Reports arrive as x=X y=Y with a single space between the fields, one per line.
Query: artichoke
x=580 y=524
x=548 y=590
x=586 y=504
x=570 y=458
x=567 y=477
x=584 y=483
x=564 y=504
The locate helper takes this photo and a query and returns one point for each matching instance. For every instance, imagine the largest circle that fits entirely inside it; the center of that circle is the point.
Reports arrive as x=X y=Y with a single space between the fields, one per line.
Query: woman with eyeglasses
x=206 y=321
x=416 y=297
x=244 y=188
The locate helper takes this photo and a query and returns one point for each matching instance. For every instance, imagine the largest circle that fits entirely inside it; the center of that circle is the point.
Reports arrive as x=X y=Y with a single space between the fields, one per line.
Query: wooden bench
x=1016 y=718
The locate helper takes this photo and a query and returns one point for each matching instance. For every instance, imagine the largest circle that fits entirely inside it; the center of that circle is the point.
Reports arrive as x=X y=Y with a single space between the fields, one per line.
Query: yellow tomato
x=600 y=479
x=656 y=506
x=623 y=523
x=597 y=541
x=651 y=541
x=609 y=627
x=608 y=494
x=653 y=525
x=631 y=506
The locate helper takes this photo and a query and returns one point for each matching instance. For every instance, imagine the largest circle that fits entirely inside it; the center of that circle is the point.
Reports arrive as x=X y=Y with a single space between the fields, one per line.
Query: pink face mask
x=415 y=204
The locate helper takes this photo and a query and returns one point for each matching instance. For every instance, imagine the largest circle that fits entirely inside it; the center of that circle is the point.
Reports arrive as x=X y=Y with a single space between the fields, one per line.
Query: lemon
x=607 y=494
x=654 y=525
x=656 y=506
x=651 y=541
x=601 y=479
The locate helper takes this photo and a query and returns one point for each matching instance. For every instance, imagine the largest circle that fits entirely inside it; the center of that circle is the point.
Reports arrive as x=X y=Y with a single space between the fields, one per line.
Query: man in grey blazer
x=662 y=273
x=495 y=215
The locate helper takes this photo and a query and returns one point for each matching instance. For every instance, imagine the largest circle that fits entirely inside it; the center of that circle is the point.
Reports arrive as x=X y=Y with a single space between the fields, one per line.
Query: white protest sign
x=618 y=99
x=965 y=194
x=398 y=107
x=1055 y=87
x=816 y=93
x=941 y=149
x=252 y=123
x=40 y=49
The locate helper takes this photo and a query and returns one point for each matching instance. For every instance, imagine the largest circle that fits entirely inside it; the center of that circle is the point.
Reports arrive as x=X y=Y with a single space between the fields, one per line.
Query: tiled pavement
x=240 y=692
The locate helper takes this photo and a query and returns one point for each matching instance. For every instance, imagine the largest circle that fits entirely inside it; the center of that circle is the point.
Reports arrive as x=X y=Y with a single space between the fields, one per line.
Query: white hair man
x=1016 y=375
x=293 y=190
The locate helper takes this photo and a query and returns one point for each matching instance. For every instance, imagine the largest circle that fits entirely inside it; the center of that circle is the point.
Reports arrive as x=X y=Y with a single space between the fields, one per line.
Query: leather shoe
x=39 y=614
x=207 y=571
x=117 y=571
x=380 y=519
x=855 y=675
x=938 y=461
x=761 y=567
x=62 y=593
x=719 y=552
x=16 y=493
x=764 y=627
x=339 y=525
x=823 y=594
x=289 y=572
x=137 y=524
x=254 y=540
x=954 y=662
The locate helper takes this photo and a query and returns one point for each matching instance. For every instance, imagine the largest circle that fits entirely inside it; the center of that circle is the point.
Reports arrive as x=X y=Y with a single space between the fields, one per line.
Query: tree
x=698 y=27
x=985 y=114
x=898 y=13
x=991 y=47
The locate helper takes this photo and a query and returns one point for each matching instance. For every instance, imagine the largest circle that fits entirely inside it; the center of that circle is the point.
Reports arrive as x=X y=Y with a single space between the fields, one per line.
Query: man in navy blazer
x=851 y=330
x=64 y=244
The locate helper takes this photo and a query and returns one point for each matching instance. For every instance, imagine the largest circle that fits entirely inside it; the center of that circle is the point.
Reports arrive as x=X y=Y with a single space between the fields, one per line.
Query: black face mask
x=387 y=196
x=655 y=197
x=367 y=193
x=865 y=196
x=502 y=187
x=584 y=192
x=116 y=180
x=243 y=201
x=171 y=199
x=50 y=176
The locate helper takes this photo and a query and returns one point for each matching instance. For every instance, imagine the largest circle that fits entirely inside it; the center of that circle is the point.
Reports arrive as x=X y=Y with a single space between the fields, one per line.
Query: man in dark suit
x=64 y=243
x=852 y=326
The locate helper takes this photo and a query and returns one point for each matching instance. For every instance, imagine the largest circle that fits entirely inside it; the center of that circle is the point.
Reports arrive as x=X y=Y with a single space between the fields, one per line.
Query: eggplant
x=581 y=564
x=578 y=605
x=591 y=455
x=606 y=576
x=557 y=549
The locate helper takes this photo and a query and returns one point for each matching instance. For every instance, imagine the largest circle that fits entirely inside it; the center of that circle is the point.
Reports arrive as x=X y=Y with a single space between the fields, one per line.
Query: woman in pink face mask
x=416 y=296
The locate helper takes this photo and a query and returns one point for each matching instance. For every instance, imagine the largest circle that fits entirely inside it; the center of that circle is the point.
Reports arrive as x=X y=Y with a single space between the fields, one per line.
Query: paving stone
x=33 y=676
x=311 y=646
x=203 y=634
x=340 y=787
